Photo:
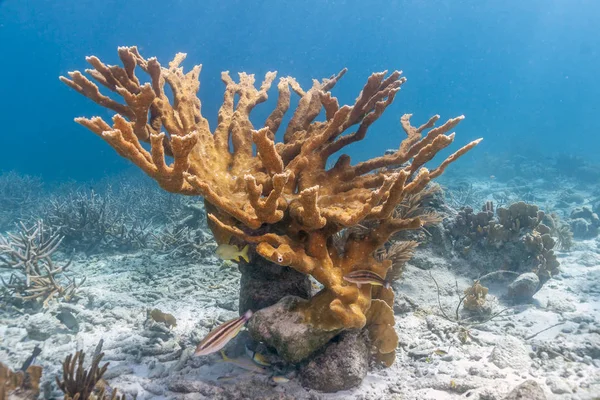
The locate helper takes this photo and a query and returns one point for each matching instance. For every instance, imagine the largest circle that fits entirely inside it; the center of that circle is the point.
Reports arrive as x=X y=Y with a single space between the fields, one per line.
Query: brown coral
x=24 y=384
x=86 y=384
x=283 y=188
x=475 y=296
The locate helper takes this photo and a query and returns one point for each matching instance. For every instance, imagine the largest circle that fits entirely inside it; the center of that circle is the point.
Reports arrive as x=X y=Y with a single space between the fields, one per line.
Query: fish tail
x=244 y=253
x=225 y=358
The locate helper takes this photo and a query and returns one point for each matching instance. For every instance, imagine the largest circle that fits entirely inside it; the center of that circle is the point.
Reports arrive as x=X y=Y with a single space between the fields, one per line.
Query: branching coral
x=85 y=384
x=281 y=198
x=34 y=276
x=89 y=220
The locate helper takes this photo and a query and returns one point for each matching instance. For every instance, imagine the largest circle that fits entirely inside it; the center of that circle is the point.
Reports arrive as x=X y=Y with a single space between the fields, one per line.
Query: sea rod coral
x=278 y=196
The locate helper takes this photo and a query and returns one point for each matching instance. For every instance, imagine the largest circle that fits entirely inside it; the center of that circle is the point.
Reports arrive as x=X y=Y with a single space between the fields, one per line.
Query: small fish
x=226 y=377
x=232 y=252
x=364 y=277
x=440 y=352
x=243 y=363
x=258 y=358
x=68 y=319
x=168 y=319
x=280 y=379
x=31 y=359
x=221 y=335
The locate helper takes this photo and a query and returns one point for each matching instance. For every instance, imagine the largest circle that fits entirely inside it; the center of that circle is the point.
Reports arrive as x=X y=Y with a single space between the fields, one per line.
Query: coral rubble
x=278 y=196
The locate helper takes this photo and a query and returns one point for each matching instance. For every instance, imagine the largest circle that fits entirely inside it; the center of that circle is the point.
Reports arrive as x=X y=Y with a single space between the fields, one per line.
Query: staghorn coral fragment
x=282 y=198
x=34 y=275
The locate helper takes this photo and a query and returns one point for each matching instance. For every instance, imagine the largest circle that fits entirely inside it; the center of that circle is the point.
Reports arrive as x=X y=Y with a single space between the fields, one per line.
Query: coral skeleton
x=91 y=221
x=34 y=276
x=278 y=196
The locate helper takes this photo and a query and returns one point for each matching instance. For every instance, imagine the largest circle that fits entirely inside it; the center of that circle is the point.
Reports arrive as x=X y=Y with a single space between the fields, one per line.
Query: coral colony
x=281 y=199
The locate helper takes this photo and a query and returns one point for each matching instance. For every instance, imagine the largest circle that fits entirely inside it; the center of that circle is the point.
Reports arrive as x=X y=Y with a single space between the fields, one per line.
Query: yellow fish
x=159 y=316
x=280 y=379
x=258 y=358
x=232 y=252
x=243 y=363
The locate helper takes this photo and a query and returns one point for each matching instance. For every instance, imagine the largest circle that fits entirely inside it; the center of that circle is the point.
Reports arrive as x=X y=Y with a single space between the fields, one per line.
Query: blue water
x=523 y=72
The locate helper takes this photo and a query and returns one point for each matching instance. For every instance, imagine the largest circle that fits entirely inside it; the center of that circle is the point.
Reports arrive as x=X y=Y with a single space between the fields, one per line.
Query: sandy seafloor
x=153 y=362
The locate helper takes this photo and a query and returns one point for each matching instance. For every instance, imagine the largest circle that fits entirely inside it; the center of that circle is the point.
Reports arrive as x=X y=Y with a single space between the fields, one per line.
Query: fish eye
x=280 y=258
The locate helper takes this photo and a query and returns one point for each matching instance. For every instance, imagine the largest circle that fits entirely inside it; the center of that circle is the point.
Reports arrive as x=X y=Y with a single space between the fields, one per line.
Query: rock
x=582 y=212
x=592 y=346
x=117 y=370
x=281 y=327
x=42 y=326
x=194 y=386
x=557 y=385
x=227 y=303
x=156 y=369
x=584 y=223
x=404 y=304
x=560 y=305
x=427 y=261
x=528 y=390
x=242 y=389
x=154 y=388
x=510 y=352
x=343 y=364
x=572 y=198
x=263 y=284
x=524 y=287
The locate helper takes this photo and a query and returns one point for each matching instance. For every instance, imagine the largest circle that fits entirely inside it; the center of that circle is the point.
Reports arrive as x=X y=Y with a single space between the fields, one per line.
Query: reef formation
x=279 y=196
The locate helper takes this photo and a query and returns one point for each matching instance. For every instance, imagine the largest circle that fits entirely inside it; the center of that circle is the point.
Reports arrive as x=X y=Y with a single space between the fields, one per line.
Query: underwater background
x=385 y=281
x=524 y=73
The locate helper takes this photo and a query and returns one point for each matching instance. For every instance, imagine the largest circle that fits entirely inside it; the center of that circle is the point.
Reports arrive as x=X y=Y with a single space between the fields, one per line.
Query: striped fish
x=221 y=335
x=364 y=277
